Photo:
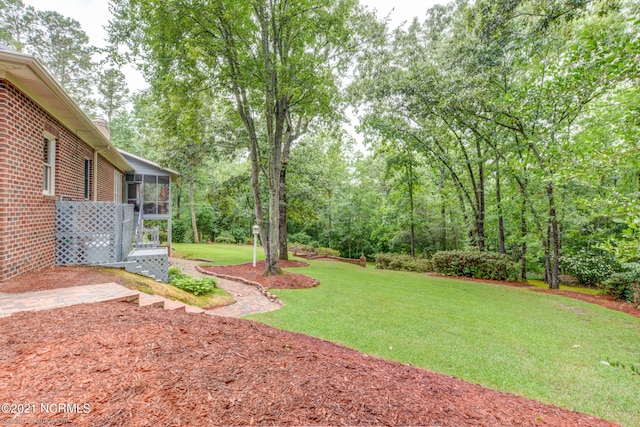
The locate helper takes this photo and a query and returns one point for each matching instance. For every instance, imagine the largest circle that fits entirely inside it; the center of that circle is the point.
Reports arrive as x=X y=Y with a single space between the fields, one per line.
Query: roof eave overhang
x=30 y=76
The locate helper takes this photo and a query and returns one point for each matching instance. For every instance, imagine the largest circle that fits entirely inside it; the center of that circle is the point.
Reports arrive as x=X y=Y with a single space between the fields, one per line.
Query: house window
x=48 y=166
x=117 y=187
x=87 y=179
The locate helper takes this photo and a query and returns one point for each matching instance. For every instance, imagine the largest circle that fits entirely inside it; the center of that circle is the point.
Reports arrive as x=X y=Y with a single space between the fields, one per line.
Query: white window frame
x=117 y=187
x=49 y=166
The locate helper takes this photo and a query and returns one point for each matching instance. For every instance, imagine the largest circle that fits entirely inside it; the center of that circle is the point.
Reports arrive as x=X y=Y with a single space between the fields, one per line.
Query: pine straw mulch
x=249 y=274
x=121 y=365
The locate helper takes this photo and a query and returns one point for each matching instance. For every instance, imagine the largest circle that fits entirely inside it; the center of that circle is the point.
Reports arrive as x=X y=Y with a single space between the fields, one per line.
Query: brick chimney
x=103 y=127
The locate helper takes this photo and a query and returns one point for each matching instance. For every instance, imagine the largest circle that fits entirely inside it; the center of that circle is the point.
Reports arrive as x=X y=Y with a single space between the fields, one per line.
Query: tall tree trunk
x=443 y=212
x=555 y=239
x=465 y=217
x=275 y=168
x=411 y=213
x=330 y=220
x=501 y=247
x=178 y=198
x=523 y=236
x=443 y=218
x=547 y=255
x=192 y=207
x=282 y=235
x=257 y=198
x=283 y=249
x=480 y=202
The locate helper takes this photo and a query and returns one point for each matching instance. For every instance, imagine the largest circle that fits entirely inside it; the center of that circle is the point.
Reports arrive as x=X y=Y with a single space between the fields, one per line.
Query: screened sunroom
x=148 y=189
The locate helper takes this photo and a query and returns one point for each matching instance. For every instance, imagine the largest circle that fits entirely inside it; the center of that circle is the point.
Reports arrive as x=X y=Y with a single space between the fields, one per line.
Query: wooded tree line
x=60 y=43
x=509 y=126
x=504 y=100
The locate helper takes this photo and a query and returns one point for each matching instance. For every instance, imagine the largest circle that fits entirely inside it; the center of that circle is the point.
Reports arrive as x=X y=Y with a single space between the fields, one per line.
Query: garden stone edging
x=260 y=288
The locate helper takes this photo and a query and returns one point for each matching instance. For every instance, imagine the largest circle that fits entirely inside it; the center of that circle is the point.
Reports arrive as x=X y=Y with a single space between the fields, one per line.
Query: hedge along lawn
x=542 y=346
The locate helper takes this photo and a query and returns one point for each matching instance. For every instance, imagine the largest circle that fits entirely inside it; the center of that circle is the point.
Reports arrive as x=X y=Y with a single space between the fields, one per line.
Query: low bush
x=301 y=247
x=225 y=237
x=623 y=286
x=398 y=262
x=196 y=286
x=301 y=238
x=328 y=251
x=589 y=268
x=475 y=264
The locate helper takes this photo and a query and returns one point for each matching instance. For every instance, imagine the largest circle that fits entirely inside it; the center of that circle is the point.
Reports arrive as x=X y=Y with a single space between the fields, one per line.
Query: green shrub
x=301 y=247
x=589 y=268
x=328 y=251
x=535 y=276
x=398 y=262
x=196 y=286
x=623 y=286
x=239 y=234
x=178 y=231
x=475 y=264
x=225 y=237
x=301 y=237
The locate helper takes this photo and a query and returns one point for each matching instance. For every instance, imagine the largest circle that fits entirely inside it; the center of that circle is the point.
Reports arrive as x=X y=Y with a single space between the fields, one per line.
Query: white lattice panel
x=92 y=232
x=154 y=260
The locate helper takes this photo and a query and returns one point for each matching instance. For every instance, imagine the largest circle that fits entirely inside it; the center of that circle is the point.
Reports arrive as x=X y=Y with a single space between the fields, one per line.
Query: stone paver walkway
x=63 y=297
x=249 y=300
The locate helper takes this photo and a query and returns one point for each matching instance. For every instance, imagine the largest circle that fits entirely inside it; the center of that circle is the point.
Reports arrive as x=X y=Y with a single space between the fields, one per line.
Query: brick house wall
x=105 y=179
x=27 y=216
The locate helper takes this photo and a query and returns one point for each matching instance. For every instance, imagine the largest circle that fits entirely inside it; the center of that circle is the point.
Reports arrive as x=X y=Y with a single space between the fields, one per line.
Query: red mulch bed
x=602 y=300
x=117 y=364
x=255 y=274
x=59 y=277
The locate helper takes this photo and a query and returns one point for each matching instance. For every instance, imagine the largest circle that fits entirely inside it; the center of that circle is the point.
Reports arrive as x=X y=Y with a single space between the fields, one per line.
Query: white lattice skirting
x=93 y=232
x=155 y=260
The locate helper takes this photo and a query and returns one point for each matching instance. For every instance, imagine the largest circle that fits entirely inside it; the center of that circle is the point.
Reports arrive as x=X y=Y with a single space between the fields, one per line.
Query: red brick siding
x=27 y=217
x=105 y=180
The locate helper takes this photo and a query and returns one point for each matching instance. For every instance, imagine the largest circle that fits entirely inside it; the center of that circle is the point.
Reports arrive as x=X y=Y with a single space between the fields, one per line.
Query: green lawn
x=218 y=254
x=542 y=346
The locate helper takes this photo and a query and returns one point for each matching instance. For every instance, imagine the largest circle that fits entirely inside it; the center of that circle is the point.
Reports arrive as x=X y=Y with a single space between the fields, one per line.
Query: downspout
x=95 y=171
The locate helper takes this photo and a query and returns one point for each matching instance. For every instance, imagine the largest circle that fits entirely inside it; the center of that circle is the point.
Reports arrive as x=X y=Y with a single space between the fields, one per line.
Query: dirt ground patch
x=120 y=365
x=255 y=274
